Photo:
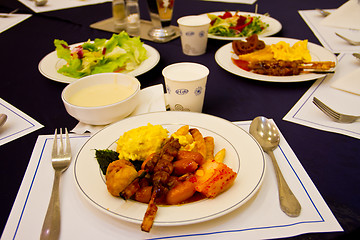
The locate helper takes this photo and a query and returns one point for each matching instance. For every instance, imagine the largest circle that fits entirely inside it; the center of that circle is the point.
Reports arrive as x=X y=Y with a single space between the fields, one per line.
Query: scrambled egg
x=138 y=143
x=280 y=51
x=283 y=51
x=186 y=141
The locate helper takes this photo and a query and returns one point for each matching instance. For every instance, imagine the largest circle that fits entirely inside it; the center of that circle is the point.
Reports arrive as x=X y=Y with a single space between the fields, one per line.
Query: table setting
x=39 y=6
x=269 y=109
x=341 y=21
x=273 y=224
x=334 y=90
x=235 y=1
x=15 y=123
x=7 y=20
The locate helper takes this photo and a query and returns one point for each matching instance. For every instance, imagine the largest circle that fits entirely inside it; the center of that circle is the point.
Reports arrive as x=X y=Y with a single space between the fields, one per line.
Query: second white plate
x=225 y=53
x=274 y=25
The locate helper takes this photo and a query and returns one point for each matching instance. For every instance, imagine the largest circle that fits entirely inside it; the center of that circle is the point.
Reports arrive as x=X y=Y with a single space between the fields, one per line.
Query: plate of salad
x=120 y=53
x=235 y=25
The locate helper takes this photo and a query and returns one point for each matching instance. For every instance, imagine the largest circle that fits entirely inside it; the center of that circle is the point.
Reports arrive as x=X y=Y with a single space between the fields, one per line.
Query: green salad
x=229 y=25
x=120 y=53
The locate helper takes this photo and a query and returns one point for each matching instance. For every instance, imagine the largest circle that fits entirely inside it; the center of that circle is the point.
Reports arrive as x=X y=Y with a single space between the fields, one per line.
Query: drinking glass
x=119 y=16
x=161 y=14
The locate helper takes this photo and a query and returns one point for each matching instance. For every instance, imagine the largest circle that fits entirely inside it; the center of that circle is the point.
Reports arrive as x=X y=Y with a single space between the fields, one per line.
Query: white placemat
x=234 y=1
x=259 y=218
x=53 y=5
x=346 y=16
x=11 y=20
x=326 y=35
x=306 y=113
x=17 y=124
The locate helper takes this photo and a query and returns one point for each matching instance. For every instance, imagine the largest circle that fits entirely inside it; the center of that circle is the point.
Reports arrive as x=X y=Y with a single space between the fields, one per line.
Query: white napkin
x=346 y=16
x=306 y=113
x=326 y=34
x=349 y=83
x=259 y=218
x=234 y=1
x=53 y=5
x=17 y=124
x=151 y=99
x=11 y=20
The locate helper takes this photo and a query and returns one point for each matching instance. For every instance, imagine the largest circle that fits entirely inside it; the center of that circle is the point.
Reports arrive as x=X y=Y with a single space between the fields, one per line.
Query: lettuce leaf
x=62 y=50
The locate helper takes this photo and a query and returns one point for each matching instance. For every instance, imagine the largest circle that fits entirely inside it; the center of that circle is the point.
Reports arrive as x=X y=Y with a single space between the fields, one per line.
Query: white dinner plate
x=243 y=155
x=273 y=28
x=50 y=65
x=225 y=53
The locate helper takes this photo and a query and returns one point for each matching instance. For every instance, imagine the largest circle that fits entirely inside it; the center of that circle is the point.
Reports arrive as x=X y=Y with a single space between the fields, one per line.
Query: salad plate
x=243 y=155
x=50 y=65
x=224 y=54
x=273 y=28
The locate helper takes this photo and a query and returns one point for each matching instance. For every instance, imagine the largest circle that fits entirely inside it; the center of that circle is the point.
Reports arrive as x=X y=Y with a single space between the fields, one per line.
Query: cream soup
x=100 y=95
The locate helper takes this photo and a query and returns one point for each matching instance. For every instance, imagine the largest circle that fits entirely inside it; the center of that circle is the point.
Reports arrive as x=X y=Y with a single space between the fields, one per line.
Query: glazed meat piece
x=276 y=68
x=162 y=172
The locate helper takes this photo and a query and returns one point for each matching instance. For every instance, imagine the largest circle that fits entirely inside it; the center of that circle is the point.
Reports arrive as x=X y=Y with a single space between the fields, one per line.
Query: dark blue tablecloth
x=331 y=160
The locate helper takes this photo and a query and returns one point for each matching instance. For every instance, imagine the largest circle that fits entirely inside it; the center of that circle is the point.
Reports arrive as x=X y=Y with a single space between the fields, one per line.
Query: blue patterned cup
x=194 y=34
x=185 y=86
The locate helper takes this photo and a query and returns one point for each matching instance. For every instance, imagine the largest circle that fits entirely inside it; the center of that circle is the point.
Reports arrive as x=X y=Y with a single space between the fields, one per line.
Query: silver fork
x=339 y=117
x=5 y=15
x=61 y=159
x=352 y=42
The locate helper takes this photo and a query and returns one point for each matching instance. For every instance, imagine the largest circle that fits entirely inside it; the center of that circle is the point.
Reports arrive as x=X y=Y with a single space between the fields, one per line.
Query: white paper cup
x=185 y=86
x=194 y=34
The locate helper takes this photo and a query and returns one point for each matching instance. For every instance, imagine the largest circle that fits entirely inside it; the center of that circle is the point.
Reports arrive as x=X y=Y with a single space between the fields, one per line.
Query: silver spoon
x=3 y=119
x=266 y=133
x=40 y=3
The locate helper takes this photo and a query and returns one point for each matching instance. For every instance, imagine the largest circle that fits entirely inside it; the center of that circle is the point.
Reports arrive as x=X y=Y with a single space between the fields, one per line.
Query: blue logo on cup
x=168 y=89
x=181 y=91
x=201 y=34
x=198 y=91
x=189 y=34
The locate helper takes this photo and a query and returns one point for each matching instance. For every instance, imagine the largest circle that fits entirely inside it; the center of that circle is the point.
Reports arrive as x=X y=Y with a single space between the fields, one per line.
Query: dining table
x=331 y=160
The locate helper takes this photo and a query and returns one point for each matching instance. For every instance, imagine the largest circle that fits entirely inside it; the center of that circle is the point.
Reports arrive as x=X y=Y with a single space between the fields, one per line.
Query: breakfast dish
x=50 y=65
x=279 y=59
x=273 y=25
x=150 y=166
x=225 y=58
x=243 y=155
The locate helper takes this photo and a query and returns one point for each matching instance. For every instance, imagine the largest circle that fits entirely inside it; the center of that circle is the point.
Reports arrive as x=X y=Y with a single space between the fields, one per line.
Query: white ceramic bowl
x=106 y=114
